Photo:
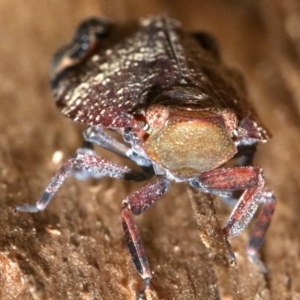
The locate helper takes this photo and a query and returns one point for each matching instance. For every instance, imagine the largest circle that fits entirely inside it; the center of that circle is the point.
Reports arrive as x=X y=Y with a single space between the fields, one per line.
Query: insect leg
x=135 y=204
x=262 y=223
x=244 y=157
x=251 y=180
x=254 y=132
x=93 y=164
x=99 y=137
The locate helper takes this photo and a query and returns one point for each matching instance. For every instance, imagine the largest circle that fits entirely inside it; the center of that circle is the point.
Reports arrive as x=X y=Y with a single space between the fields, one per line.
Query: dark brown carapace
x=182 y=113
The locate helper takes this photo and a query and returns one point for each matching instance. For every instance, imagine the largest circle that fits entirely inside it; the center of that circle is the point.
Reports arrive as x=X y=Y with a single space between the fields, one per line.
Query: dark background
x=75 y=249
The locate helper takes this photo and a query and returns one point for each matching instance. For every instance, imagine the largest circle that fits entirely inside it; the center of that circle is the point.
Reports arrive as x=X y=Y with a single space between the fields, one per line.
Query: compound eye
x=157 y=116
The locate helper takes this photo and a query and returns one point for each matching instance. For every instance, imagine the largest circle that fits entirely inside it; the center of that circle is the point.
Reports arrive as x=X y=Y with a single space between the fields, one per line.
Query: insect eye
x=156 y=116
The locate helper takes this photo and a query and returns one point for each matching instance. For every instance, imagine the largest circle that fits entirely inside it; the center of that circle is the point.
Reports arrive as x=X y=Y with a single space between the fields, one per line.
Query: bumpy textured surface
x=134 y=64
x=75 y=249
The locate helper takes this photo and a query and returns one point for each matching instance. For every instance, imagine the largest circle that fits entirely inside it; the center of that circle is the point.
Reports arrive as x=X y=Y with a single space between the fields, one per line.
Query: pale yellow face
x=189 y=142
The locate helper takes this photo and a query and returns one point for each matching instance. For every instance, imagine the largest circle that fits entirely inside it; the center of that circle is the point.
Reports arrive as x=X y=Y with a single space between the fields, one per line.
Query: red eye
x=156 y=116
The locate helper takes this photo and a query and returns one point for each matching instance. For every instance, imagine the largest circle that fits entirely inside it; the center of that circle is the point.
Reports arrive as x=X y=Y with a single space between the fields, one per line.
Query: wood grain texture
x=75 y=249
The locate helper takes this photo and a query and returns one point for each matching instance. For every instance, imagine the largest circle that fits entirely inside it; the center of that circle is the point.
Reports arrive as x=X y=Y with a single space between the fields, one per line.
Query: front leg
x=98 y=136
x=135 y=204
x=251 y=180
x=82 y=162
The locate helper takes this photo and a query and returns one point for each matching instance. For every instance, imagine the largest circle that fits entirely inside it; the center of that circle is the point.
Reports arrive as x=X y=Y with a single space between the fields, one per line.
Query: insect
x=182 y=113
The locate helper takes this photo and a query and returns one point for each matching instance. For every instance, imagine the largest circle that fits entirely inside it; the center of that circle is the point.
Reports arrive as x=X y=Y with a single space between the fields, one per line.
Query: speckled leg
x=251 y=180
x=244 y=157
x=98 y=136
x=135 y=204
x=86 y=163
x=262 y=223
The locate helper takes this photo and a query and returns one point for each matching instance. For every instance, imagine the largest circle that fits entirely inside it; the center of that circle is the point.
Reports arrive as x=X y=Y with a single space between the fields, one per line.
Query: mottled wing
x=119 y=77
x=223 y=86
x=218 y=86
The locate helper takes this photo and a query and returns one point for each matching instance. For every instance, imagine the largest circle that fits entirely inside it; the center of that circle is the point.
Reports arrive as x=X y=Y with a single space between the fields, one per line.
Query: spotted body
x=140 y=65
x=182 y=112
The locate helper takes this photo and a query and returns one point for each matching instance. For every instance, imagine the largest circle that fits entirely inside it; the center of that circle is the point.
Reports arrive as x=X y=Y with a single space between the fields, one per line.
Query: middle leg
x=135 y=204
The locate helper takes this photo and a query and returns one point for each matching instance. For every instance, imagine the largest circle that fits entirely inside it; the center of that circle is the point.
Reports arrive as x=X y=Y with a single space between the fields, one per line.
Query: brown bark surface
x=75 y=249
